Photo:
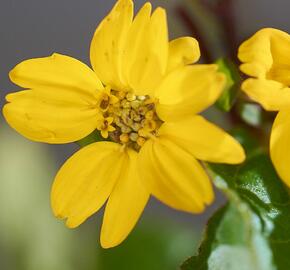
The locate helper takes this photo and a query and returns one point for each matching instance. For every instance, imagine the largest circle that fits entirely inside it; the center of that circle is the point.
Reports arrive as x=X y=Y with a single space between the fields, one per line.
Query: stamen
x=149 y=115
x=127 y=119
x=106 y=99
x=133 y=136
x=149 y=125
x=120 y=94
x=105 y=103
x=130 y=97
x=124 y=138
x=141 y=98
x=141 y=141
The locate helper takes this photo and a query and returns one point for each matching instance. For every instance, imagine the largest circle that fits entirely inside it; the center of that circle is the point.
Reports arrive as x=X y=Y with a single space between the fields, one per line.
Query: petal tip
x=123 y=5
x=13 y=73
x=108 y=243
x=210 y=196
x=242 y=156
x=239 y=155
x=56 y=209
x=71 y=223
x=159 y=11
x=147 y=6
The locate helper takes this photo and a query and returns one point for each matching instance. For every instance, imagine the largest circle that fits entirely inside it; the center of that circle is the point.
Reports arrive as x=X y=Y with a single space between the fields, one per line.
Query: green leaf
x=232 y=88
x=256 y=220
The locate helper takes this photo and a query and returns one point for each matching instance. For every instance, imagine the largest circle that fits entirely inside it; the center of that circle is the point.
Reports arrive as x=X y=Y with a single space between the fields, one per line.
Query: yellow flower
x=265 y=57
x=158 y=137
x=104 y=124
x=105 y=99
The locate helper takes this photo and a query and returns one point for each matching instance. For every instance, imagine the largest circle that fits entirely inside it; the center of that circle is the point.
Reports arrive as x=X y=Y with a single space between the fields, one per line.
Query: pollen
x=127 y=118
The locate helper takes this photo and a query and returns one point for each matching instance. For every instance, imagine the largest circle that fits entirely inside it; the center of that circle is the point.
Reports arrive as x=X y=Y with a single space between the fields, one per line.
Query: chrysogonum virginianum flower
x=143 y=96
x=265 y=57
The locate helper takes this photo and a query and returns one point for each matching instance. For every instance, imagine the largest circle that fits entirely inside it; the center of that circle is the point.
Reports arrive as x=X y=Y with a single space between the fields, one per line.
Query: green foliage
x=253 y=230
x=232 y=88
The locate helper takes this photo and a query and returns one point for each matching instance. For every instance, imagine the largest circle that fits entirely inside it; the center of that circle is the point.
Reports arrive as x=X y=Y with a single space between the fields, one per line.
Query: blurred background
x=30 y=237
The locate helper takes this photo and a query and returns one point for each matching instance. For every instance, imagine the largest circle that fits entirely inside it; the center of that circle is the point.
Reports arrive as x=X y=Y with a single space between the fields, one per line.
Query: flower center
x=126 y=118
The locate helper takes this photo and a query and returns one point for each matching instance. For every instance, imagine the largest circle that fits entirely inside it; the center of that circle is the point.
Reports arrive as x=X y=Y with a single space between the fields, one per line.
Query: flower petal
x=203 y=140
x=147 y=50
x=125 y=205
x=280 y=145
x=255 y=53
x=58 y=74
x=270 y=94
x=59 y=107
x=108 y=45
x=188 y=90
x=43 y=117
x=266 y=55
x=182 y=51
x=85 y=181
x=174 y=177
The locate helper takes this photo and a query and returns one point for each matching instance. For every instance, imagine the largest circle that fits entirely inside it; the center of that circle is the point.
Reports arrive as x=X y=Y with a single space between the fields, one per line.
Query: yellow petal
x=255 y=54
x=147 y=50
x=270 y=94
x=59 y=107
x=280 y=145
x=125 y=205
x=57 y=73
x=203 y=140
x=173 y=176
x=182 y=51
x=266 y=55
x=108 y=45
x=48 y=118
x=85 y=181
x=135 y=44
x=188 y=90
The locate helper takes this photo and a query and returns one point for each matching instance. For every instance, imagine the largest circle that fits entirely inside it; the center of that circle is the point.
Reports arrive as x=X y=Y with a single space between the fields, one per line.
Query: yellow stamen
x=150 y=125
x=133 y=136
x=106 y=99
x=150 y=101
x=128 y=119
x=142 y=132
x=124 y=138
x=130 y=97
x=141 y=141
x=104 y=125
x=121 y=94
x=149 y=115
